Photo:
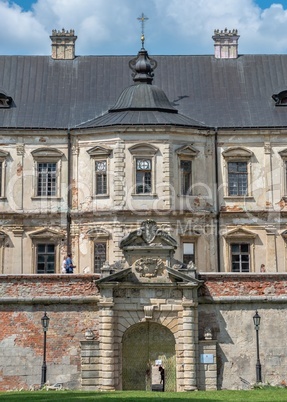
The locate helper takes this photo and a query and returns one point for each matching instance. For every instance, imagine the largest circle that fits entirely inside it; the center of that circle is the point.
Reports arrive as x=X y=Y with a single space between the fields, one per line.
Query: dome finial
x=142 y=19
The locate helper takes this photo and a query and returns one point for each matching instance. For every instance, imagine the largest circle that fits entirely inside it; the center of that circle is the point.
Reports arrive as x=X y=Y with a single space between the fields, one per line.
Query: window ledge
x=100 y=196
x=146 y=195
x=238 y=197
x=44 y=197
x=3 y=199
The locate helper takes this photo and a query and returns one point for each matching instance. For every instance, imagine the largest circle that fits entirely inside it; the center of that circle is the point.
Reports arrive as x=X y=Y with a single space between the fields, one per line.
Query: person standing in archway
x=162 y=379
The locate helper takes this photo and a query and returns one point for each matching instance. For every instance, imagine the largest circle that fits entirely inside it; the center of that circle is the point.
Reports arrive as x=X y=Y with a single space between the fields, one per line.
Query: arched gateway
x=146 y=347
x=148 y=316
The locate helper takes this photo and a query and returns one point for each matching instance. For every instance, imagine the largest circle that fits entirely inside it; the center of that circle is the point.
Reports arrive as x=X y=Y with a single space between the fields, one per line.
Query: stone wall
x=71 y=304
x=226 y=305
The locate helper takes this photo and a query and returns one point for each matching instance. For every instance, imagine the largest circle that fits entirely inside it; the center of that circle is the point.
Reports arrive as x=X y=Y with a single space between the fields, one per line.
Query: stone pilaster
x=119 y=176
x=189 y=337
x=106 y=332
x=167 y=176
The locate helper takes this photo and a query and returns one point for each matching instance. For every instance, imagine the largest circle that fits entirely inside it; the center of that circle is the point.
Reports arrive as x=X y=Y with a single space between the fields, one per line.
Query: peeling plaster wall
x=227 y=304
x=71 y=305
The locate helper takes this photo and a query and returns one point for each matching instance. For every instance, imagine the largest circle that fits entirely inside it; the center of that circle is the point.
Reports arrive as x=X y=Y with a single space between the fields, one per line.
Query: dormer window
x=280 y=99
x=5 y=101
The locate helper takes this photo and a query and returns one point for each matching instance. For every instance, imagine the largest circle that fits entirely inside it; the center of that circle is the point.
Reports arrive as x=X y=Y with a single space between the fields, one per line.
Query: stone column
x=190 y=345
x=106 y=332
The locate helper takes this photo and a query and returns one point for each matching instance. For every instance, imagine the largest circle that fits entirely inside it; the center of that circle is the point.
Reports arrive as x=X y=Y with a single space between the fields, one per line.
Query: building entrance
x=146 y=347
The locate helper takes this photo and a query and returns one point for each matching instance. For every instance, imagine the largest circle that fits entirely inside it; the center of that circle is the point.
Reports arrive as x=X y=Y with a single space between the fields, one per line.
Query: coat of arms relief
x=149 y=267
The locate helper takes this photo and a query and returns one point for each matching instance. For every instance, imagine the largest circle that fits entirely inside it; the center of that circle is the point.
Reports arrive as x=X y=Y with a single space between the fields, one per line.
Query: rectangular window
x=143 y=176
x=46 y=179
x=237 y=178
x=240 y=257
x=100 y=254
x=185 y=173
x=101 y=177
x=1 y=179
x=45 y=259
x=188 y=253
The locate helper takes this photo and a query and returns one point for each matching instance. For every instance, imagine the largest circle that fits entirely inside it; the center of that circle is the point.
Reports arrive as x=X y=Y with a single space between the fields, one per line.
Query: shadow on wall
x=210 y=317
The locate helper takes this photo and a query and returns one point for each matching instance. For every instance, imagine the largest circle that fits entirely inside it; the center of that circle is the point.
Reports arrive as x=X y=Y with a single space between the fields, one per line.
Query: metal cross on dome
x=142 y=19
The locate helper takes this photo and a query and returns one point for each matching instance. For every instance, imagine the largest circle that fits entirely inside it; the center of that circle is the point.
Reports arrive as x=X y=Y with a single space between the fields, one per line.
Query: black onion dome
x=142 y=95
x=142 y=103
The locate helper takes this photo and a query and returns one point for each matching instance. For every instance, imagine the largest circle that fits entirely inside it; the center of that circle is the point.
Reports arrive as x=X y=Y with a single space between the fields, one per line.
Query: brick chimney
x=63 y=44
x=225 y=44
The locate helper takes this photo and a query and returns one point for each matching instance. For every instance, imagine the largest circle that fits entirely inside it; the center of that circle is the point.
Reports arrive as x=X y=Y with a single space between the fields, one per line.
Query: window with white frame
x=188 y=252
x=99 y=248
x=47 y=166
x=240 y=247
x=237 y=178
x=3 y=162
x=144 y=162
x=238 y=173
x=143 y=176
x=101 y=177
x=1 y=178
x=240 y=257
x=46 y=179
x=186 y=156
x=100 y=159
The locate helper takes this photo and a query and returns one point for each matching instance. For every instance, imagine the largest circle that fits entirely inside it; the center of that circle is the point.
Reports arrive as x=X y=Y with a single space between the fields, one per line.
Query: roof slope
x=51 y=93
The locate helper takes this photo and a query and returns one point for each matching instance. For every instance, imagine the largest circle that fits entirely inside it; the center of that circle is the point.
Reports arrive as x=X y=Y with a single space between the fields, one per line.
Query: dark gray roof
x=51 y=93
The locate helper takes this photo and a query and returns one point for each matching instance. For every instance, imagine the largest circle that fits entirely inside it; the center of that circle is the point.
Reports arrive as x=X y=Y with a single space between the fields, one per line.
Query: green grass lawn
x=257 y=395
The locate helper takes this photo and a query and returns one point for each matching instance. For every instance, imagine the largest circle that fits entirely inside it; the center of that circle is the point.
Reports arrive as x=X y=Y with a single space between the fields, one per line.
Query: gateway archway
x=144 y=347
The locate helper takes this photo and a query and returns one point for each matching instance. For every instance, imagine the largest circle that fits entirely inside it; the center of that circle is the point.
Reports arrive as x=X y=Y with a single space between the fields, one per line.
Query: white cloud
x=111 y=26
x=20 y=31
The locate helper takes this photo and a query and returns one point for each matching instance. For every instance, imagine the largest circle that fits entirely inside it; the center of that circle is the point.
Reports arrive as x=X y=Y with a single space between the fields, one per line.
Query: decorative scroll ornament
x=149 y=267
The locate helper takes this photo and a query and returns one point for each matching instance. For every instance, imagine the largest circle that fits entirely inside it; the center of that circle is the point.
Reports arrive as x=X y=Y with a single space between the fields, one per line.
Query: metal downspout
x=217 y=213
x=69 y=194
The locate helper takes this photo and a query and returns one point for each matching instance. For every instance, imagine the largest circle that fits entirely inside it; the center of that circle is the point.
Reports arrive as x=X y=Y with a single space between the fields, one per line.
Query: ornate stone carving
x=149 y=230
x=149 y=267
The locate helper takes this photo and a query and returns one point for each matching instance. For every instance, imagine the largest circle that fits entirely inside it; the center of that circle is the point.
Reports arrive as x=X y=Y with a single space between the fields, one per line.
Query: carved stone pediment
x=46 y=234
x=240 y=233
x=41 y=153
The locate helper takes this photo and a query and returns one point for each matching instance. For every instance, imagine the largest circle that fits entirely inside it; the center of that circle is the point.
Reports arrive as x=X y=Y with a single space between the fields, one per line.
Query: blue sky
x=111 y=26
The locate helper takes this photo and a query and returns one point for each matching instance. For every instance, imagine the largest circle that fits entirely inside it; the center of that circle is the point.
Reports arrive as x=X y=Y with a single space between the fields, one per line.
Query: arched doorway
x=144 y=347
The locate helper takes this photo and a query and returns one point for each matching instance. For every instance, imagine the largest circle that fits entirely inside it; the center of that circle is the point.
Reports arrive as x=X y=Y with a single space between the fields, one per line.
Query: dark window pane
x=235 y=248
x=240 y=257
x=245 y=248
x=45 y=258
x=100 y=251
x=185 y=169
